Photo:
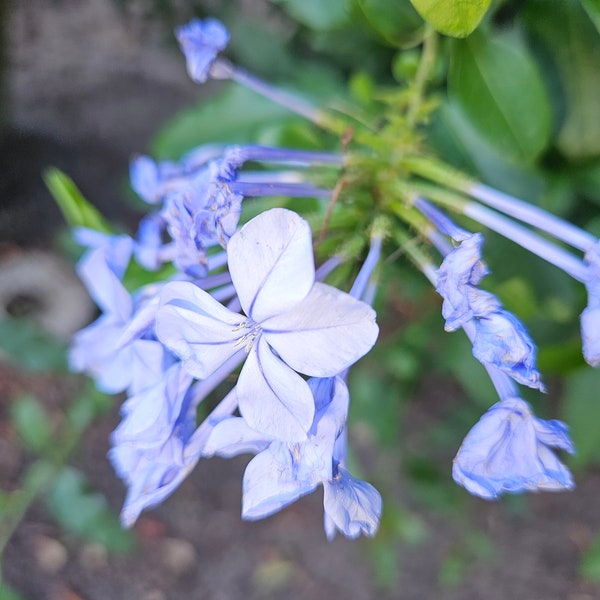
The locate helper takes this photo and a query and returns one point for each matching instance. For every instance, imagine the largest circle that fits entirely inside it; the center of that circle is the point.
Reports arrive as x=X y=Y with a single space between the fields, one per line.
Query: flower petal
x=269 y=483
x=351 y=505
x=324 y=334
x=272 y=398
x=271 y=263
x=233 y=436
x=197 y=328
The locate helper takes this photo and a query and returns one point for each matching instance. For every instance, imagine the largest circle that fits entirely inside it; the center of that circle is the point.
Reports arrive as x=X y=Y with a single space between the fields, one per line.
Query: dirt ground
x=88 y=86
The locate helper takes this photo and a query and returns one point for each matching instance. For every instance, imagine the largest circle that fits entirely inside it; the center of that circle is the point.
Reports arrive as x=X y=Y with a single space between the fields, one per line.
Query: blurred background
x=86 y=85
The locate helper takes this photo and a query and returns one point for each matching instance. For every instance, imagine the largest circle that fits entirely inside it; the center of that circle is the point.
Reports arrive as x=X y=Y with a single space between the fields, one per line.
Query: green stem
x=422 y=76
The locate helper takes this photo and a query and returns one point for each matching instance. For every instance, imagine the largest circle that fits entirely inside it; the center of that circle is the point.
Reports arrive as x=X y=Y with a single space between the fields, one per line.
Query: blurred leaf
x=87 y=406
x=496 y=85
x=76 y=210
x=398 y=23
x=25 y=343
x=592 y=7
x=573 y=44
x=457 y=18
x=317 y=14
x=7 y=593
x=85 y=513
x=31 y=422
x=232 y=116
x=582 y=413
x=590 y=562
x=455 y=137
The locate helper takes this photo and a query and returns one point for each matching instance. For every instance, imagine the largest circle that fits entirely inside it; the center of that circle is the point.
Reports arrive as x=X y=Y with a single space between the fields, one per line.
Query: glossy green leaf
x=398 y=23
x=457 y=18
x=86 y=513
x=572 y=44
x=497 y=86
x=77 y=211
x=582 y=414
x=318 y=14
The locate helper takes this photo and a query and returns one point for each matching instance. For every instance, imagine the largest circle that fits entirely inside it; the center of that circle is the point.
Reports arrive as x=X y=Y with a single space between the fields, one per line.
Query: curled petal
x=510 y=450
x=271 y=263
x=270 y=483
x=324 y=334
x=501 y=340
x=351 y=506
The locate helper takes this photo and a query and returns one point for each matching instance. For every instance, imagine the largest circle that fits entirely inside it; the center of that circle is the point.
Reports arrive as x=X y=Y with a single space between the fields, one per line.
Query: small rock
x=93 y=557
x=179 y=556
x=50 y=554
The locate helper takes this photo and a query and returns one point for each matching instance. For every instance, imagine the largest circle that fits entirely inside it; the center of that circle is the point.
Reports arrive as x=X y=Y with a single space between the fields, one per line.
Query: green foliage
x=77 y=211
x=32 y=423
x=582 y=413
x=497 y=85
x=397 y=23
x=589 y=568
x=316 y=14
x=457 y=18
x=25 y=343
x=86 y=514
x=571 y=45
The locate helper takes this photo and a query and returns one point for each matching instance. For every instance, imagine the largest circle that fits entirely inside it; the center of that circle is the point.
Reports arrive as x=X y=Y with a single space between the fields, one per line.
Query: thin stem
x=423 y=74
x=278 y=189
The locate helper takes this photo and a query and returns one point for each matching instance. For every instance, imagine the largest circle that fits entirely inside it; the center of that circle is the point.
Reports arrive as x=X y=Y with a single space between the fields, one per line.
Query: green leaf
x=396 y=22
x=582 y=413
x=25 y=343
x=31 y=422
x=497 y=86
x=319 y=15
x=86 y=514
x=572 y=44
x=77 y=211
x=7 y=593
x=457 y=18
x=592 y=7
x=233 y=115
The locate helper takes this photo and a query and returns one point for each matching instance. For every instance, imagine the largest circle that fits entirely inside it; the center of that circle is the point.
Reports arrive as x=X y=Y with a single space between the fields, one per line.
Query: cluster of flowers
x=251 y=297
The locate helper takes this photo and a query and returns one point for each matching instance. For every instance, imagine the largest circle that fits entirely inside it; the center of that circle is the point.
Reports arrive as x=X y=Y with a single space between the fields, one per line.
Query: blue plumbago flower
x=117 y=249
x=510 y=451
x=291 y=323
x=148 y=446
x=500 y=338
x=201 y=41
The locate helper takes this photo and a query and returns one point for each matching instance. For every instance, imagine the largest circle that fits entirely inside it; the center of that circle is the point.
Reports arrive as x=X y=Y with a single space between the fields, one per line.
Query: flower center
x=251 y=331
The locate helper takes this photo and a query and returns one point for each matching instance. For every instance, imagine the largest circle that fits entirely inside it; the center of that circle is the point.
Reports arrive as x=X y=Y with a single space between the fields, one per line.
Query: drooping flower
x=500 y=338
x=201 y=41
x=351 y=506
x=510 y=451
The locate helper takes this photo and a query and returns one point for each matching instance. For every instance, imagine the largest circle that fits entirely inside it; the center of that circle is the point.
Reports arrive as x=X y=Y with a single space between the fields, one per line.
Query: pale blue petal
x=270 y=484
x=273 y=399
x=197 y=328
x=149 y=361
x=505 y=452
x=324 y=334
x=94 y=351
x=117 y=248
x=233 y=436
x=352 y=505
x=271 y=263
x=104 y=286
x=502 y=341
